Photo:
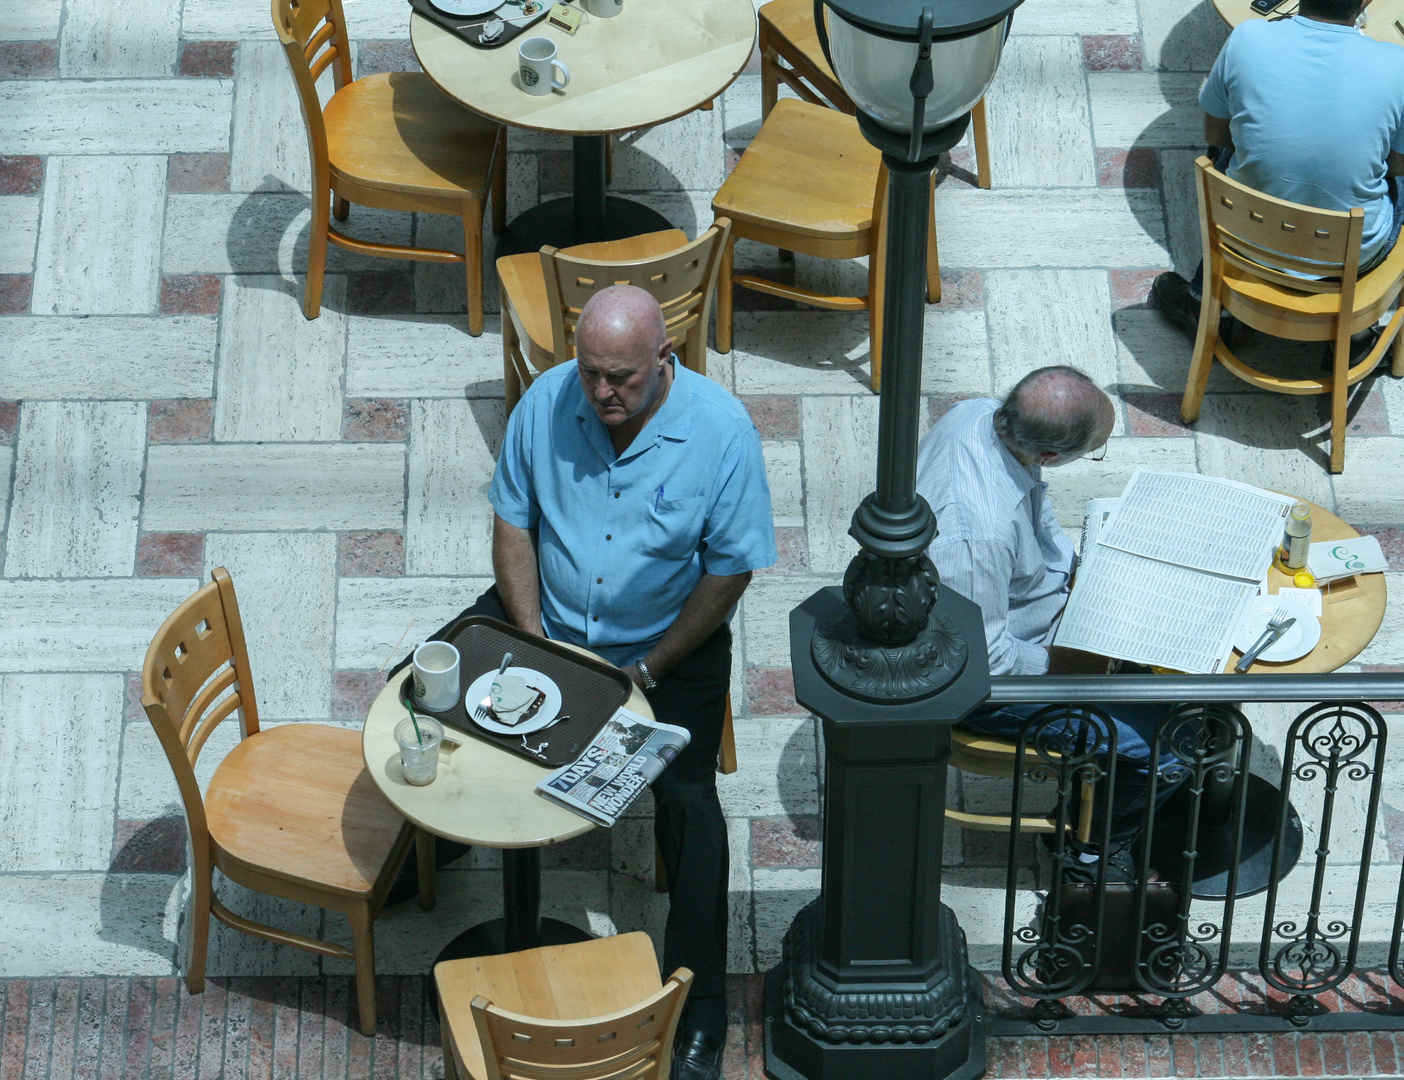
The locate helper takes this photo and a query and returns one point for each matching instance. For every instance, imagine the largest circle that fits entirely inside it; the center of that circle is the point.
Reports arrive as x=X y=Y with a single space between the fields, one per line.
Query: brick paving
x=164 y=409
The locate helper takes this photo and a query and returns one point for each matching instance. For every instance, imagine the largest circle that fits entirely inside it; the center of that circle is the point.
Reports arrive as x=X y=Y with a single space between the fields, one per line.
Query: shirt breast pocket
x=673 y=527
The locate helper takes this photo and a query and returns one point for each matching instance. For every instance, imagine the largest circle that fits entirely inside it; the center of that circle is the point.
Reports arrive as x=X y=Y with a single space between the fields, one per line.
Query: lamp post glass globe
x=914 y=67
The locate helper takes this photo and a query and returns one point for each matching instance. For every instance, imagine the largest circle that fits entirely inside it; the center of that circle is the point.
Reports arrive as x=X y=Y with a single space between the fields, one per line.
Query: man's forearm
x=518 y=577
x=706 y=608
x=1217 y=131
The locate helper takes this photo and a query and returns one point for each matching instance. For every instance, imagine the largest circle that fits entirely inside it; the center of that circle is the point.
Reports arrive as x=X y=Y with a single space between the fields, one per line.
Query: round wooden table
x=1386 y=16
x=651 y=63
x=483 y=796
x=1352 y=609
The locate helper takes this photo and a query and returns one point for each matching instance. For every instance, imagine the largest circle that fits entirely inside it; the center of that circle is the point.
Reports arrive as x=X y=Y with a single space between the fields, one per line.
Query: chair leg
x=1205 y=343
x=770 y=84
x=511 y=381
x=341 y=208
x=1340 y=395
x=933 y=254
x=726 y=756
x=317 y=251
x=424 y=859
x=446 y=1037
x=363 y=946
x=1397 y=367
x=201 y=889
x=724 y=286
x=473 y=263
x=877 y=291
x=499 y=187
x=982 y=143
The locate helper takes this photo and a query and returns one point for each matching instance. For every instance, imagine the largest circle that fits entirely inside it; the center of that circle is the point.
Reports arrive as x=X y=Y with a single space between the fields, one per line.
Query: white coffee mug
x=538 y=62
x=604 y=9
x=436 y=666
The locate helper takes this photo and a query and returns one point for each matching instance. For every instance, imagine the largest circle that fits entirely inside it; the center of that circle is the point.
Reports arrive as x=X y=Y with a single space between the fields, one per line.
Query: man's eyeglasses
x=1096 y=455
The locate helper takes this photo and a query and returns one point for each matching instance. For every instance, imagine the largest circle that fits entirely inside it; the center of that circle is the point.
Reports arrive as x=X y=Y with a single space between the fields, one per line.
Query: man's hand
x=1062 y=661
x=518 y=582
x=706 y=608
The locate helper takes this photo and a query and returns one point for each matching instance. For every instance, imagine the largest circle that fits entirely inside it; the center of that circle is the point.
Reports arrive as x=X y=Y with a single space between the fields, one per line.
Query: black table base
x=490 y=939
x=586 y=217
x=1215 y=841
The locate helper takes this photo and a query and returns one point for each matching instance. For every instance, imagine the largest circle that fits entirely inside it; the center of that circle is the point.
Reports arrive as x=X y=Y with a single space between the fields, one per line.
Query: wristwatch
x=650 y=683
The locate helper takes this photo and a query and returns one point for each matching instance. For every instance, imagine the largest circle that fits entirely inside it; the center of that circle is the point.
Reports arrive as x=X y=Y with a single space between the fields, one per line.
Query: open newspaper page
x=1098 y=511
x=1139 y=609
x=625 y=757
x=1218 y=526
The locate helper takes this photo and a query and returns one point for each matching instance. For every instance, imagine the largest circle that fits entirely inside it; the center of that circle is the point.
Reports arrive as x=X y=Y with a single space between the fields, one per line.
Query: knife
x=1265 y=642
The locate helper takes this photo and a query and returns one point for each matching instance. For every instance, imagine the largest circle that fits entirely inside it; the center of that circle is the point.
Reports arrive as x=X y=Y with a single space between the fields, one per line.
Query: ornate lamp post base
x=828 y=1032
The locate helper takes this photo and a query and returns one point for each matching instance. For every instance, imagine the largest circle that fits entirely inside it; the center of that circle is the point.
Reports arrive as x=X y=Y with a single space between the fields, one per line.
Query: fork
x=1276 y=624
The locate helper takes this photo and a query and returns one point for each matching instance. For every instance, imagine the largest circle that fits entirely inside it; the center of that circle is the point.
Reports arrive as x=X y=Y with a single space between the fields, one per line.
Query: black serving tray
x=591 y=690
x=472 y=25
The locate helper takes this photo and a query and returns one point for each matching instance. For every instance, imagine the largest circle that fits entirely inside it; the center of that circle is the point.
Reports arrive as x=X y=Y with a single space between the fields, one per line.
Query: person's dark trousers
x=688 y=822
x=1135 y=733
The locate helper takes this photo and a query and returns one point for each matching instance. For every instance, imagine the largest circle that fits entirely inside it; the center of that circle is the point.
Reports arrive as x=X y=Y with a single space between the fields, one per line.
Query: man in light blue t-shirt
x=1310 y=110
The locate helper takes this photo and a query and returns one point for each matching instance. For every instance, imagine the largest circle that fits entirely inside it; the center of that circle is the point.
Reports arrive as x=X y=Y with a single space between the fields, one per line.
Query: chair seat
x=400 y=132
x=809 y=171
x=524 y=281
x=558 y=982
x=1374 y=292
x=297 y=801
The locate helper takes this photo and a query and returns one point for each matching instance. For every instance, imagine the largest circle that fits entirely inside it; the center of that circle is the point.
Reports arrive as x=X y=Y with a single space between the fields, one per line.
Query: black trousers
x=688 y=822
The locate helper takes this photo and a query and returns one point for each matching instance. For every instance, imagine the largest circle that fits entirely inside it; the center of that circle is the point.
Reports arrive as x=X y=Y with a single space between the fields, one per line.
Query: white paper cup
x=538 y=64
x=604 y=9
x=436 y=668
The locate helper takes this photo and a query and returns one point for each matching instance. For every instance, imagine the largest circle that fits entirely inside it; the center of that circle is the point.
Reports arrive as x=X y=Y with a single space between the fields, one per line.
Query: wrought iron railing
x=1263 y=867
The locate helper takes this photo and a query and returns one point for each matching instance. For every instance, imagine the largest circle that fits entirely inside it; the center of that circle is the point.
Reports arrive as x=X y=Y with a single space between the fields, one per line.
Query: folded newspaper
x=625 y=757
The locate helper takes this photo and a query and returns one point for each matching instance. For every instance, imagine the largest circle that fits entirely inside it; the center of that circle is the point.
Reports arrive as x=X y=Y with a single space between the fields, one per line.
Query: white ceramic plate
x=463 y=9
x=1301 y=637
x=550 y=708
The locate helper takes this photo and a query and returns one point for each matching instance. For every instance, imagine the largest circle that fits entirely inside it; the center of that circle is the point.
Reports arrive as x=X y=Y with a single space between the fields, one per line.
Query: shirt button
x=616 y=494
x=608 y=536
x=599 y=581
x=595 y=618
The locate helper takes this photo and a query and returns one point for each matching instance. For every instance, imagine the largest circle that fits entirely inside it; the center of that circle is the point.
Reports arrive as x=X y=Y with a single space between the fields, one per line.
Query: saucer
x=463 y=9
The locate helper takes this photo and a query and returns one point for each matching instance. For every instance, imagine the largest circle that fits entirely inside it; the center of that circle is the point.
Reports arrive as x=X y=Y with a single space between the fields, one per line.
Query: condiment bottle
x=1296 y=538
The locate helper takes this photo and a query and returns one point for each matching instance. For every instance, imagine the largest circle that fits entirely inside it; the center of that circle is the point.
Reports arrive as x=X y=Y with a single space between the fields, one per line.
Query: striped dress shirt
x=999 y=542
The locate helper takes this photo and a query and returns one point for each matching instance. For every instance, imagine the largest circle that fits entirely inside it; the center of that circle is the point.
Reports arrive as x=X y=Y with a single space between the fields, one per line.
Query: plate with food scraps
x=518 y=701
x=464 y=9
x=1301 y=637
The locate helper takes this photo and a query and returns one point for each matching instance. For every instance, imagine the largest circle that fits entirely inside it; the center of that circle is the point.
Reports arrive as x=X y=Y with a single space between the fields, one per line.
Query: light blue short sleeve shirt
x=1315 y=109
x=622 y=541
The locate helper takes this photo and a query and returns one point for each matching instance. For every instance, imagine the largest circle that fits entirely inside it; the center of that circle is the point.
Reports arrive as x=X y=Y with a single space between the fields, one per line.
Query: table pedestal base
x=554 y=223
x=490 y=939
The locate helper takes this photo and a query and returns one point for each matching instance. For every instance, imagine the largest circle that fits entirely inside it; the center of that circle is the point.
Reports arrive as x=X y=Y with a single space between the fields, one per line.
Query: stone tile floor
x=164 y=409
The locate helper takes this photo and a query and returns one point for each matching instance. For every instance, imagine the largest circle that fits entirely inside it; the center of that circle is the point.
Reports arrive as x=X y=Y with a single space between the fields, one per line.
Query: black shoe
x=1121 y=866
x=697 y=1055
x=1360 y=345
x=1172 y=296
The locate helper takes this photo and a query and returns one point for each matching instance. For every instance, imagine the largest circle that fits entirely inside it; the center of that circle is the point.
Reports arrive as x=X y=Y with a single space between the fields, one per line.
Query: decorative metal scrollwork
x=1203 y=750
x=1327 y=745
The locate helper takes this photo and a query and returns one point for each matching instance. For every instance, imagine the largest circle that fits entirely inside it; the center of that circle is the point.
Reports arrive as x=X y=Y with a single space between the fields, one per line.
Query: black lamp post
x=874 y=980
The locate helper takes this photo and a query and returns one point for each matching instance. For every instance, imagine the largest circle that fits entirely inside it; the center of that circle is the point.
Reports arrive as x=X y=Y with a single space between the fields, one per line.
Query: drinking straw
x=417 y=733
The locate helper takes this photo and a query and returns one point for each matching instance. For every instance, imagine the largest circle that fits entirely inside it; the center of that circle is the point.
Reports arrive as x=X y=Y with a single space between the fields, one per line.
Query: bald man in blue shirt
x=631 y=508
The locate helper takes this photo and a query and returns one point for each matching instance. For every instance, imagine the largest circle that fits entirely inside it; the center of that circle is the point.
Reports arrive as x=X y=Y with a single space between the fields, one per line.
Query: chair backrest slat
x=313 y=35
x=195 y=675
x=1277 y=240
x=634 y=1044
x=681 y=281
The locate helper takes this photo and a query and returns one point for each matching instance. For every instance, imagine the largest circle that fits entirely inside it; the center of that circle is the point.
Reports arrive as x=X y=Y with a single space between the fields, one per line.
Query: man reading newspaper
x=1000 y=544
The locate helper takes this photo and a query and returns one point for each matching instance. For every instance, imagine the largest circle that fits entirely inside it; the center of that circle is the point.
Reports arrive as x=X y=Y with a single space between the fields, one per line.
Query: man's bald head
x=621 y=321
x=1054 y=413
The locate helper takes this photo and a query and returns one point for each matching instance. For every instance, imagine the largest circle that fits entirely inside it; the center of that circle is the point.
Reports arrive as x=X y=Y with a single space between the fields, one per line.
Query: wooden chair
x=290 y=811
x=544 y=292
x=989 y=755
x=791 y=53
x=809 y=182
x=596 y=1010
x=1252 y=244
x=391 y=141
